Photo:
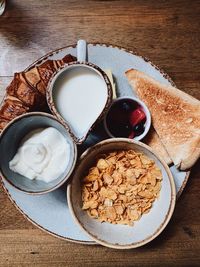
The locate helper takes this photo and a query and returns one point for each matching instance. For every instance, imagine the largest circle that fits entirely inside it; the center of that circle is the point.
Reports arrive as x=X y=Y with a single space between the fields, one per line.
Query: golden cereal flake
x=107 y=178
x=102 y=164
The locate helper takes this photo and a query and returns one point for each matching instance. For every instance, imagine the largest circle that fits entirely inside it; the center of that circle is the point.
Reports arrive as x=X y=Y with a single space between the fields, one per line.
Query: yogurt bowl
x=36 y=145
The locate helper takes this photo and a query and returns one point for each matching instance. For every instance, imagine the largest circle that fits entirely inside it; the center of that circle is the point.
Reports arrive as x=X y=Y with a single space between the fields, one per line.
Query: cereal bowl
x=119 y=236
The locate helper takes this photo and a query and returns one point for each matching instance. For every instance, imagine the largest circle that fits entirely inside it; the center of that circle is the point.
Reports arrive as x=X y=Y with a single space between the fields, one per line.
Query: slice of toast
x=175 y=117
x=152 y=139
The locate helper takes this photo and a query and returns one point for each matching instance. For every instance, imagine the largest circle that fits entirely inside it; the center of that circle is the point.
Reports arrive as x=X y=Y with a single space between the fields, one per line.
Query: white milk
x=80 y=95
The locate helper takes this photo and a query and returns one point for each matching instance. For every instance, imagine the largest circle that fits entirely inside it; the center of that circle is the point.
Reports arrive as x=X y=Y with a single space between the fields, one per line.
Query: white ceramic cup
x=79 y=94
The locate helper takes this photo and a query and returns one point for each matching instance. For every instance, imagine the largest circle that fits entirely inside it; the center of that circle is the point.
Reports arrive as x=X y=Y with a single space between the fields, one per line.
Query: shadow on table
x=17 y=25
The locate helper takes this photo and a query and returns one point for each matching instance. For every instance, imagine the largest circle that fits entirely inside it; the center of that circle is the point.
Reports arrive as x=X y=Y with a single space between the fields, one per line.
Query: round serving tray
x=50 y=212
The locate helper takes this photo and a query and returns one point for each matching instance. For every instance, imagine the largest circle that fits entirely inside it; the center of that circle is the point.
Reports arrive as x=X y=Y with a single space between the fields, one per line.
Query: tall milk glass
x=2 y=6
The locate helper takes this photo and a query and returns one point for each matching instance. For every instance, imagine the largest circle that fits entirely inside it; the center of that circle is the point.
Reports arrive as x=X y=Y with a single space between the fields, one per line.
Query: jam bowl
x=127 y=117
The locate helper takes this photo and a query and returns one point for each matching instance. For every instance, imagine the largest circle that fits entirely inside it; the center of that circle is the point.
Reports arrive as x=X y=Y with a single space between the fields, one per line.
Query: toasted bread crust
x=153 y=140
x=175 y=117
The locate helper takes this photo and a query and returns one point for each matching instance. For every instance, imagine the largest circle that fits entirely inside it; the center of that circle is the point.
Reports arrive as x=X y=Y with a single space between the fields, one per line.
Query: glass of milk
x=79 y=94
x=2 y=6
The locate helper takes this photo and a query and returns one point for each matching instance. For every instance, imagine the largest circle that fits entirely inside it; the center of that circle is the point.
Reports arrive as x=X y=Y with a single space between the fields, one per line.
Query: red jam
x=126 y=118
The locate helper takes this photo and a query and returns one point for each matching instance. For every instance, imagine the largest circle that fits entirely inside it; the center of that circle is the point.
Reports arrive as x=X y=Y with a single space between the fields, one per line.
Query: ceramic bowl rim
x=52 y=106
x=145 y=108
x=167 y=216
x=66 y=176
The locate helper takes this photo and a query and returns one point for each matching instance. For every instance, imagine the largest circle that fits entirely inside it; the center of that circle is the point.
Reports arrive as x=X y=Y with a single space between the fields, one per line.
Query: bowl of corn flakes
x=122 y=194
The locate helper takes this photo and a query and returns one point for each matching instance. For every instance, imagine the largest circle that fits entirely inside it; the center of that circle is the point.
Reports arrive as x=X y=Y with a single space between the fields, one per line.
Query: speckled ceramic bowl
x=10 y=140
x=121 y=236
x=81 y=103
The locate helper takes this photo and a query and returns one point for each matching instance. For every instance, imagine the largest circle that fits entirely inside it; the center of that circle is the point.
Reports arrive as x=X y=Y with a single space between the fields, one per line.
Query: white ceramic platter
x=50 y=211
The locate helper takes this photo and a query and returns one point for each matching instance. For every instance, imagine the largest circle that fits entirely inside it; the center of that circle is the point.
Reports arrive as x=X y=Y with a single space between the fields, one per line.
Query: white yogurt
x=80 y=94
x=43 y=155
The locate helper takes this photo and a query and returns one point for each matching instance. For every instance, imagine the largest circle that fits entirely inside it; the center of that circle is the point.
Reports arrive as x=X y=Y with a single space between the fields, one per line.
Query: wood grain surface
x=167 y=32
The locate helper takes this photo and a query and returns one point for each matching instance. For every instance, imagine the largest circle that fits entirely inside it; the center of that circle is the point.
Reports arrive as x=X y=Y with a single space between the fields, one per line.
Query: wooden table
x=168 y=33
